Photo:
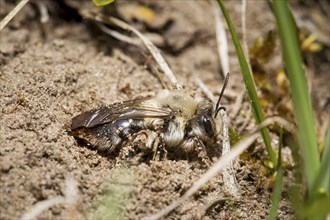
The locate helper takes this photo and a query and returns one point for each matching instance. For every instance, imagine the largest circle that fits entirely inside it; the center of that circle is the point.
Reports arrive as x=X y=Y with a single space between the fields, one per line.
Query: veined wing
x=133 y=109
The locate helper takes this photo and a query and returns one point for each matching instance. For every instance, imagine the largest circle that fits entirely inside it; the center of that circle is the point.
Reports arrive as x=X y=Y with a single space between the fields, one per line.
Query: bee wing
x=133 y=109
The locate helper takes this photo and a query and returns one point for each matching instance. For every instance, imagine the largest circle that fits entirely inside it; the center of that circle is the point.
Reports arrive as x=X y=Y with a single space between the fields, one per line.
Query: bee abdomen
x=107 y=137
x=126 y=128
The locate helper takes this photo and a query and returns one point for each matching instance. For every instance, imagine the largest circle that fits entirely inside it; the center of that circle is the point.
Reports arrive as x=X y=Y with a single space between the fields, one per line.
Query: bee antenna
x=217 y=108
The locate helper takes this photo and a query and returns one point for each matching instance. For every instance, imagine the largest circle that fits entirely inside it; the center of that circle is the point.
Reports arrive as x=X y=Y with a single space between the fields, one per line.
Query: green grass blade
x=276 y=195
x=249 y=84
x=299 y=90
x=102 y=2
x=318 y=209
x=323 y=181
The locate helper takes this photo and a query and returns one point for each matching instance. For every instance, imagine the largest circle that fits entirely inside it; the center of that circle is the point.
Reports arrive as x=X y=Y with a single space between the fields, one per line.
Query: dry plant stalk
x=222 y=42
x=40 y=207
x=150 y=46
x=119 y=36
x=228 y=172
x=238 y=104
x=44 y=15
x=71 y=197
x=12 y=14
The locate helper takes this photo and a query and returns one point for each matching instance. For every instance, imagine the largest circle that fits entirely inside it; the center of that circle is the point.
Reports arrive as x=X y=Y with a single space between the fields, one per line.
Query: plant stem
x=301 y=100
x=249 y=84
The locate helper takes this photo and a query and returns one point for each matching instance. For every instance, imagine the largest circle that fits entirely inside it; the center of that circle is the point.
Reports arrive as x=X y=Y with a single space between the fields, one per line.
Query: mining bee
x=174 y=119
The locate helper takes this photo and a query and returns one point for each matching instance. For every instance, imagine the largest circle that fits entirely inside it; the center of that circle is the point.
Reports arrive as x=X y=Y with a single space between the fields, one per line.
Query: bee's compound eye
x=208 y=126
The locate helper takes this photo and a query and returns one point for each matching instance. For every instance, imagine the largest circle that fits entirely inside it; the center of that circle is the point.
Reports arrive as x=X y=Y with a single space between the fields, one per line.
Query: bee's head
x=206 y=125
x=202 y=125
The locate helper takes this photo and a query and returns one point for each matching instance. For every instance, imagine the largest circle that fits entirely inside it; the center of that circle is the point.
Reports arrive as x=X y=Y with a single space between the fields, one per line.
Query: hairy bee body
x=172 y=118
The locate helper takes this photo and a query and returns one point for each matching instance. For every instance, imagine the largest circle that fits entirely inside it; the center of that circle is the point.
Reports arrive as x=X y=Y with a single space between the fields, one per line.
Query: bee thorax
x=179 y=101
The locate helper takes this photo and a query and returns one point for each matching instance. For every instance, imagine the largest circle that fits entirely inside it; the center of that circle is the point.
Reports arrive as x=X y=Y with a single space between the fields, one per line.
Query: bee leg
x=159 y=148
x=155 y=149
x=202 y=154
x=195 y=144
x=190 y=144
x=151 y=141
x=145 y=140
x=164 y=150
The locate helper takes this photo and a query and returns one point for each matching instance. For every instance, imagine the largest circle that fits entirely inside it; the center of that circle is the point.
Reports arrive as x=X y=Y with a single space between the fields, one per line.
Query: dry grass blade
x=215 y=201
x=38 y=208
x=119 y=36
x=12 y=14
x=222 y=42
x=288 y=126
x=70 y=198
x=228 y=172
x=204 y=89
x=44 y=15
x=71 y=191
x=152 y=48
x=238 y=104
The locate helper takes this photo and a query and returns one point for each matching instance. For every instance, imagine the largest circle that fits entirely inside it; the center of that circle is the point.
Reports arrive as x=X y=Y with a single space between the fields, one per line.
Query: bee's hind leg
x=195 y=144
x=159 y=148
x=149 y=141
x=202 y=154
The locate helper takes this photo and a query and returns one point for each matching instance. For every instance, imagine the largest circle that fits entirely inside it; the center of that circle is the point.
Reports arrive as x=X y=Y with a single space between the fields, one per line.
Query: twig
x=246 y=122
x=213 y=202
x=44 y=15
x=324 y=127
x=119 y=36
x=288 y=126
x=70 y=198
x=11 y=14
x=71 y=191
x=38 y=208
x=204 y=89
x=155 y=38
x=228 y=172
x=222 y=42
x=231 y=94
x=238 y=104
x=239 y=148
x=151 y=47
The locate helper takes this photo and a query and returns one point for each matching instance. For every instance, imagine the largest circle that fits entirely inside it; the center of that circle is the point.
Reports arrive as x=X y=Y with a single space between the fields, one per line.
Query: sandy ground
x=51 y=72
